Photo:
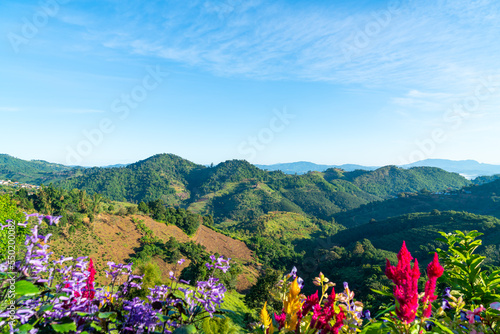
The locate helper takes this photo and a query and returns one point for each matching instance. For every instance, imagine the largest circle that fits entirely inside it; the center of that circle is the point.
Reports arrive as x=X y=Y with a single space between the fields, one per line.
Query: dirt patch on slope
x=219 y=243
x=115 y=238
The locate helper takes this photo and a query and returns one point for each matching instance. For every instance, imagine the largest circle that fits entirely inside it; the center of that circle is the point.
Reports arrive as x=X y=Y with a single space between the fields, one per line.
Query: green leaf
x=25 y=328
x=189 y=329
x=26 y=288
x=223 y=311
x=107 y=315
x=443 y=328
x=162 y=317
x=373 y=328
x=64 y=328
x=46 y=308
x=383 y=293
x=95 y=326
x=82 y=314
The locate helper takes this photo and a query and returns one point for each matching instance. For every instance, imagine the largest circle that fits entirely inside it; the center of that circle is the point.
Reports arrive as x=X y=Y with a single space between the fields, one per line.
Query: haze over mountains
x=470 y=169
x=236 y=190
x=467 y=168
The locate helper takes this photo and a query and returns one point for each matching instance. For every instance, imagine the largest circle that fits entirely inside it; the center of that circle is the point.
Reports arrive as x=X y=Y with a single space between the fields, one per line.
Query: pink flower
x=471 y=314
x=89 y=292
x=434 y=271
x=309 y=303
x=281 y=319
x=405 y=290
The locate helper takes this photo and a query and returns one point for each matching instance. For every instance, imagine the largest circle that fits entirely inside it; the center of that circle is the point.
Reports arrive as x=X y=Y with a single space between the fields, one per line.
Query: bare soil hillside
x=115 y=238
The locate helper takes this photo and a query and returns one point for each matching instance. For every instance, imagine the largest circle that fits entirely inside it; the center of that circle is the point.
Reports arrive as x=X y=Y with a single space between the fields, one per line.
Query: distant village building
x=9 y=183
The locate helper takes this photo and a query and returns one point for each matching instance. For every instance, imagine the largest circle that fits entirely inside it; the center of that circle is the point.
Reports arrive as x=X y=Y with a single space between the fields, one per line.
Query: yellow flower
x=265 y=319
x=292 y=305
x=108 y=298
x=294 y=289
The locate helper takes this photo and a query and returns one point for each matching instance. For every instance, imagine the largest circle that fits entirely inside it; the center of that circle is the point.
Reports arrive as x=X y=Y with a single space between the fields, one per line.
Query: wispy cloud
x=9 y=109
x=441 y=45
x=78 y=111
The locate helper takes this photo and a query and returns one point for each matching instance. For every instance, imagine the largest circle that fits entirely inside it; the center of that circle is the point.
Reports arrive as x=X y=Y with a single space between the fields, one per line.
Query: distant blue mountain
x=303 y=167
x=467 y=168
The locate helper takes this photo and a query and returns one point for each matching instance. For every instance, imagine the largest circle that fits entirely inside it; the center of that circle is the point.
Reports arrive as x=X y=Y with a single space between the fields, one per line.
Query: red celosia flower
x=405 y=290
x=339 y=321
x=89 y=292
x=331 y=299
x=309 y=303
x=322 y=316
x=434 y=271
x=281 y=319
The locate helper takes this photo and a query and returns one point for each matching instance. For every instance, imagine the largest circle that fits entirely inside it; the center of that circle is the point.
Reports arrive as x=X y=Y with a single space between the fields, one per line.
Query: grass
x=288 y=225
x=233 y=301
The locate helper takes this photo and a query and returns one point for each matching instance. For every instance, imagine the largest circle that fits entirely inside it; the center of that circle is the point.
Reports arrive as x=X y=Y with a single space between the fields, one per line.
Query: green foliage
x=463 y=268
x=477 y=199
x=261 y=291
x=152 y=276
x=184 y=219
x=9 y=211
x=145 y=180
x=419 y=230
x=391 y=180
x=219 y=326
x=143 y=207
x=277 y=253
x=34 y=171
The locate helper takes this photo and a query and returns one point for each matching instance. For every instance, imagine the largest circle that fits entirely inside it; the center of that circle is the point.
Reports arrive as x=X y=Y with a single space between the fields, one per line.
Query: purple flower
x=445 y=305
x=428 y=325
x=446 y=292
x=293 y=275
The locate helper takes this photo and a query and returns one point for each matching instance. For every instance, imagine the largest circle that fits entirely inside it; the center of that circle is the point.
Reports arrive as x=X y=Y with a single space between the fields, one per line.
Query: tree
x=96 y=201
x=131 y=210
x=82 y=202
x=143 y=207
x=261 y=291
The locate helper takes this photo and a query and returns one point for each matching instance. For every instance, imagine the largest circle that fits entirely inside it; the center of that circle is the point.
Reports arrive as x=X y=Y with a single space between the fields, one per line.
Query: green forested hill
x=391 y=180
x=336 y=222
x=358 y=254
x=420 y=230
x=163 y=176
x=34 y=171
x=479 y=199
x=237 y=191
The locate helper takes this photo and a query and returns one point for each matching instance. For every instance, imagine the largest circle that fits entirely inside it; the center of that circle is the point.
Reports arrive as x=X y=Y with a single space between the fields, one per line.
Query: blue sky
x=368 y=82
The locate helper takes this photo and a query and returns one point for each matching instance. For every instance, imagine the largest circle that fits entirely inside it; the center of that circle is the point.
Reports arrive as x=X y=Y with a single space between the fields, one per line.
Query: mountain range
x=237 y=191
x=342 y=222
x=467 y=168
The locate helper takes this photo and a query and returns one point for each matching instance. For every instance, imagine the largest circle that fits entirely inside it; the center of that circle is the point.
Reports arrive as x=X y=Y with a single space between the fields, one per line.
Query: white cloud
x=422 y=44
x=9 y=109
x=79 y=111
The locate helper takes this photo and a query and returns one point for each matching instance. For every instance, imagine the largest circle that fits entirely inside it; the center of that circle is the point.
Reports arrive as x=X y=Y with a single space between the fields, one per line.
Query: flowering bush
x=413 y=311
x=48 y=296
x=324 y=313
